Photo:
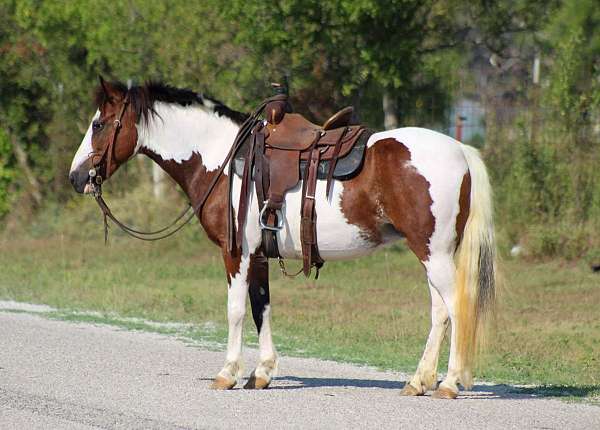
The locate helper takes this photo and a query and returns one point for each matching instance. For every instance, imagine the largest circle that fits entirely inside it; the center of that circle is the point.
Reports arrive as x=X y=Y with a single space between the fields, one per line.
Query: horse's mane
x=143 y=98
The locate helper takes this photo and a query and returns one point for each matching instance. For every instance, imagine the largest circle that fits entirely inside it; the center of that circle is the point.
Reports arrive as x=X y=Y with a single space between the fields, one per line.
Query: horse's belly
x=336 y=238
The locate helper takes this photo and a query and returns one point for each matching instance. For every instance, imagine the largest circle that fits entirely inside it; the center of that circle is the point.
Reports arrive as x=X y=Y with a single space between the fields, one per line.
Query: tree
x=343 y=51
x=24 y=103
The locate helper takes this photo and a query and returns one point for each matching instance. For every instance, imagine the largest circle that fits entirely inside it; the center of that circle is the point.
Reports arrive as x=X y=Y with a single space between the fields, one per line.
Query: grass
x=374 y=310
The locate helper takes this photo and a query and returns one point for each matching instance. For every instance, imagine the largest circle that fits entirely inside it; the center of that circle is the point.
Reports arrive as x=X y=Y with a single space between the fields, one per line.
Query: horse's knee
x=236 y=313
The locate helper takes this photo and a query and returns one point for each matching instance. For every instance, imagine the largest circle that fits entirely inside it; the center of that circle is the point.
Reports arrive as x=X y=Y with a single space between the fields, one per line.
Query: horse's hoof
x=255 y=383
x=444 y=393
x=221 y=383
x=409 y=390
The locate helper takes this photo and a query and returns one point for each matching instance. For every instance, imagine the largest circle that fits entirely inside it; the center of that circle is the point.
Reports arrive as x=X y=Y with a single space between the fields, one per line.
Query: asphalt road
x=64 y=375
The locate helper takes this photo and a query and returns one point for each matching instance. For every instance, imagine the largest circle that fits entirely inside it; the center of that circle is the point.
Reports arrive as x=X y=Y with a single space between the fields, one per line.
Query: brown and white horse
x=416 y=184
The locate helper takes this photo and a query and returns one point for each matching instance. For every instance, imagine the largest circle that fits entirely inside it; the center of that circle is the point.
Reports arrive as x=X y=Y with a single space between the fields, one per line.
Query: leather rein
x=96 y=179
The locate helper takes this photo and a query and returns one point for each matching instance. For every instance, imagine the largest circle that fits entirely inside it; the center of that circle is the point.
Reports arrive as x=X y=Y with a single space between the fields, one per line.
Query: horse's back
x=427 y=147
x=436 y=156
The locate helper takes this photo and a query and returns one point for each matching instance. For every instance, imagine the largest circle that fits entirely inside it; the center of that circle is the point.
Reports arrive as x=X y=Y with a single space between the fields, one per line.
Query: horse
x=415 y=185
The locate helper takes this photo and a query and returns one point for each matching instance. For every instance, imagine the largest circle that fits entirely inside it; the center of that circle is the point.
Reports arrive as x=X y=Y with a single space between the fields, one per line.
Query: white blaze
x=85 y=148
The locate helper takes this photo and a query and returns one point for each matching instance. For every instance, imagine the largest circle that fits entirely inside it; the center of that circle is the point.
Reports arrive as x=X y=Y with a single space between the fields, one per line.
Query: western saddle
x=279 y=152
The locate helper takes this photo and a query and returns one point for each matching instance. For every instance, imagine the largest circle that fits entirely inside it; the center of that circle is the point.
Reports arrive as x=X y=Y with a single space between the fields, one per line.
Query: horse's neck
x=187 y=142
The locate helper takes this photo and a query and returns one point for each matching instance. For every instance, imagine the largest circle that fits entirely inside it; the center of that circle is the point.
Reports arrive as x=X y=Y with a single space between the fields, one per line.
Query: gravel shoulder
x=65 y=375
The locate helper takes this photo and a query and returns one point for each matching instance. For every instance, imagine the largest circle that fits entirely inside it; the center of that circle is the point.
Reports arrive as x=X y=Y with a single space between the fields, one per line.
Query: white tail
x=475 y=267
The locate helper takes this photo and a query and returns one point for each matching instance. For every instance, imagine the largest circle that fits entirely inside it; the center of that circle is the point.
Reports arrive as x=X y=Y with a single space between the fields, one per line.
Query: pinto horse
x=415 y=184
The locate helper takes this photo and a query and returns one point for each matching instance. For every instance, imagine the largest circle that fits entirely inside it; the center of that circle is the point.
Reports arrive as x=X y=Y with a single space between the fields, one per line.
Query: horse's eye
x=97 y=125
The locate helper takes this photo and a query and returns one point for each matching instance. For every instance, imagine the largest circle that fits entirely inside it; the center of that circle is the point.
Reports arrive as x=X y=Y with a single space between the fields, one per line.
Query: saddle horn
x=275 y=110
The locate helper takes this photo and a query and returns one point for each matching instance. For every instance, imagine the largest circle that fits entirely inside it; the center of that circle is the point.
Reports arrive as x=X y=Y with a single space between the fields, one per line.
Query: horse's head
x=111 y=138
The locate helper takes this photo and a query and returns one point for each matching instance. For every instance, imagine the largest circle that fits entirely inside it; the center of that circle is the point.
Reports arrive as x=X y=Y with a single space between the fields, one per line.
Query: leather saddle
x=345 y=166
x=285 y=149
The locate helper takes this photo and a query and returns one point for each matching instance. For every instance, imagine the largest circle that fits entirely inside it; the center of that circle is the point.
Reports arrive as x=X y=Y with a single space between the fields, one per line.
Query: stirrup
x=265 y=226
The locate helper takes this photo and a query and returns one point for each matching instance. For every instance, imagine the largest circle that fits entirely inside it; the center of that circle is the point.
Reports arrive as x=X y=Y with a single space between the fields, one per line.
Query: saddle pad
x=346 y=167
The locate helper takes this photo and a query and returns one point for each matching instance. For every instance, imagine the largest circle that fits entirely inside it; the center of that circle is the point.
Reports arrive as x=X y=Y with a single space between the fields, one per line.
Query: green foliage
x=547 y=173
x=39 y=86
x=504 y=24
x=337 y=52
x=574 y=93
x=6 y=173
x=574 y=85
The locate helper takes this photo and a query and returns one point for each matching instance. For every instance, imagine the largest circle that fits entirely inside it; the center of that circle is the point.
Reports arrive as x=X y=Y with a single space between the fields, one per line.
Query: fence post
x=459 y=127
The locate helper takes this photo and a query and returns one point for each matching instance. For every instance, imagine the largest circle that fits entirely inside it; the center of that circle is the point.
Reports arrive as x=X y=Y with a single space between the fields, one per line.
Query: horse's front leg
x=237 y=268
x=258 y=280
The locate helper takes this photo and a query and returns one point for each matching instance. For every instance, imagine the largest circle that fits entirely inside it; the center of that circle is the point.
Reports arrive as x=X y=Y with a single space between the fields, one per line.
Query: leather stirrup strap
x=333 y=162
x=308 y=231
x=261 y=174
x=261 y=185
x=245 y=190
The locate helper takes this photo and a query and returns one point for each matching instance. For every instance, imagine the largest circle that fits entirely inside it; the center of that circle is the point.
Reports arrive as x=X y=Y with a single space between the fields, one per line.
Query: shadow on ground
x=480 y=391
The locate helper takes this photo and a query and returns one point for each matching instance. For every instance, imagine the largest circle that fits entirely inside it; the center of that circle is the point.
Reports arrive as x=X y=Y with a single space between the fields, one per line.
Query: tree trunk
x=21 y=156
x=158 y=181
x=390 y=118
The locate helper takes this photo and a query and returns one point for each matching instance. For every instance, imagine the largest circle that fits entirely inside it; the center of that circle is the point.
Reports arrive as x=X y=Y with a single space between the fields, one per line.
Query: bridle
x=107 y=152
x=96 y=181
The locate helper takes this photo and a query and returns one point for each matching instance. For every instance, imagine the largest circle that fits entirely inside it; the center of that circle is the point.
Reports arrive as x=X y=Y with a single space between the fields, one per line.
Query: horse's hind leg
x=258 y=280
x=441 y=272
x=425 y=378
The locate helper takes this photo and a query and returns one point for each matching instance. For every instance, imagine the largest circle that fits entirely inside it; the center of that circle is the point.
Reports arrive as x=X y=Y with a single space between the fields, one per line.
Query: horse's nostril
x=72 y=178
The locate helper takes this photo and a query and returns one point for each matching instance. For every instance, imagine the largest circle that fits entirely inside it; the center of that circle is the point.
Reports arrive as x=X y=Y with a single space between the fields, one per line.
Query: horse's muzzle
x=79 y=178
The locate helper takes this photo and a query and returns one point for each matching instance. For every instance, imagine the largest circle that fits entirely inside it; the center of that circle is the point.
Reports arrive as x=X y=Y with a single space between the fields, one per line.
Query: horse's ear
x=111 y=92
x=104 y=85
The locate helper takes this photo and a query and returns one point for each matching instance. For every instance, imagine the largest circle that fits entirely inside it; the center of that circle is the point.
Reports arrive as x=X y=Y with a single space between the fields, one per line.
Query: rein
x=96 y=181
x=138 y=234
